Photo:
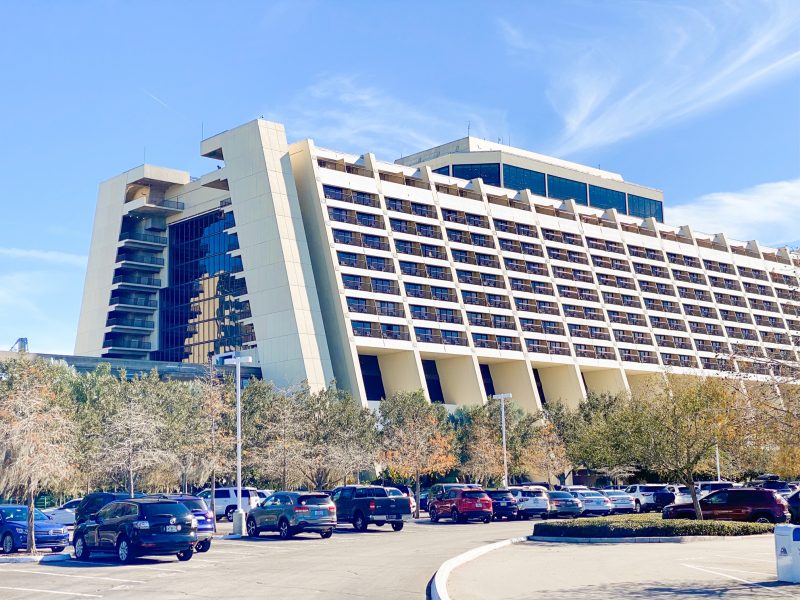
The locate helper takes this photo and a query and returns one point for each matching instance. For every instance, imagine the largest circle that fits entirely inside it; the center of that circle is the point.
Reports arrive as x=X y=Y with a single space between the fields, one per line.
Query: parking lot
x=377 y=564
x=728 y=568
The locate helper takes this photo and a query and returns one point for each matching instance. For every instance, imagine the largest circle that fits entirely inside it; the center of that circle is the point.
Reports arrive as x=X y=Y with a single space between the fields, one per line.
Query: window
x=645 y=207
x=362 y=328
x=445 y=170
x=564 y=189
x=394 y=204
x=517 y=178
x=600 y=197
x=489 y=172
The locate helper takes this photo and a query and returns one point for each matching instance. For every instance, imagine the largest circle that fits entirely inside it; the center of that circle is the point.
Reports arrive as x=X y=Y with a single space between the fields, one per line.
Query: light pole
x=502 y=398
x=238 y=516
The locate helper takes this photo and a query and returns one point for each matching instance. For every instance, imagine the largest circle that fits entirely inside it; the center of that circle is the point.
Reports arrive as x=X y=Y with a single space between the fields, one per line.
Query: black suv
x=138 y=527
x=93 y=502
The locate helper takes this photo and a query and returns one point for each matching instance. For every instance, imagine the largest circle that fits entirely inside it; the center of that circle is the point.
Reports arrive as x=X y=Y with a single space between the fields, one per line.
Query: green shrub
x=623 y=526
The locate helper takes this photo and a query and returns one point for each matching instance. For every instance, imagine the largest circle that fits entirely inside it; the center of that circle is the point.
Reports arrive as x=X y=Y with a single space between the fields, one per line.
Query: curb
x=685 y=539
x=22 y=558
x=438 y=585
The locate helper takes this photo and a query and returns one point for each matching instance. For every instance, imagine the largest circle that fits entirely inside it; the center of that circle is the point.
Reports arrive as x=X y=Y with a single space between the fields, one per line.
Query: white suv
x=643 y=495
x=225 y=500
x=531 y=500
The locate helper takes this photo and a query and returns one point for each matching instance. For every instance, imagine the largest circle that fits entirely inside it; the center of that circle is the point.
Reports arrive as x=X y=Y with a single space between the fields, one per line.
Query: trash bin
x=787 y=552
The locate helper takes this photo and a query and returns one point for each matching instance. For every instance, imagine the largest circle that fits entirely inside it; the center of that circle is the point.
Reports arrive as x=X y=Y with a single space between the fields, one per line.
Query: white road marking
x=18 y=589
x=744 y=571
x=75 y=576
x=747 y=581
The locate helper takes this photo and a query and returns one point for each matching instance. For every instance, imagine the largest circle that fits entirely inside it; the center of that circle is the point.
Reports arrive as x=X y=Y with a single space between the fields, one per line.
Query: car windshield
x=560 y=495
x=614 y=493
x=684 y=490
x=194 y=504
x=533 y=494
x=474 y=494
x=313 y=500
x=590 y=494
x=165 y=508
x=715 y=486
x=20 y=513
x=500 y=495
x=394 y=492
x=776 y=485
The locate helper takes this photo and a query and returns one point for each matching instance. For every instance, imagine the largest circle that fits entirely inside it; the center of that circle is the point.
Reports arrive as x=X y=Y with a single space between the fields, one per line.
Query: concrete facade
x=388 y=277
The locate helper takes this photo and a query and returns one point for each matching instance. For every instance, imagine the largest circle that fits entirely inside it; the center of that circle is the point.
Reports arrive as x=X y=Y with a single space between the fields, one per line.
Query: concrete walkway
x=730 y=569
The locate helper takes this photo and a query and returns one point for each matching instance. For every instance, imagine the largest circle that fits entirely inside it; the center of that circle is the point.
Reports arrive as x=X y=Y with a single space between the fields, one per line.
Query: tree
x=36 y=429
x=674 y=425
x=133 y=430
x=415 y=436
x=547 y=454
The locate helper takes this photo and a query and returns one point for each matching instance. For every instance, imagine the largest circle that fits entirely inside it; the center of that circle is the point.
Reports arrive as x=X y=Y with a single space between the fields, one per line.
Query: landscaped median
x=645 y=526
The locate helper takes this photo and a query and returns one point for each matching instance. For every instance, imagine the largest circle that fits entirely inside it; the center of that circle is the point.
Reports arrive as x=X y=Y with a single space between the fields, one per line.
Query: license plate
x=500 y=503
x=478 y=504
x=395 y=517
x=172 y=528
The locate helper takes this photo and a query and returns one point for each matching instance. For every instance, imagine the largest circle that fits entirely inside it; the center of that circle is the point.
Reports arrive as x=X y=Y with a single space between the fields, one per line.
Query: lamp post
x=502 y=398
x=238 y=516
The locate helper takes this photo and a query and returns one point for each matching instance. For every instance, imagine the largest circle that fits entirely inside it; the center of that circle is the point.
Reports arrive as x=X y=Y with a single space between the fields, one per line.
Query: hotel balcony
x=142 y=240
x=148 y=205
x=123 y=324
x=129 y=303
x=136 y=280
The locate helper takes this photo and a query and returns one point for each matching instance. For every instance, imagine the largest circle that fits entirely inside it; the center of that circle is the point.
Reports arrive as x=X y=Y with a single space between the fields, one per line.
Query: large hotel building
x=468 y=269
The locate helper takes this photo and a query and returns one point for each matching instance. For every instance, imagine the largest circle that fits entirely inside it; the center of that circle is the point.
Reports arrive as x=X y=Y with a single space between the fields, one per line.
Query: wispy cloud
x=155 y=98
x=658 y=63
x=768 y=213
x=347 y=113
x=47 y=256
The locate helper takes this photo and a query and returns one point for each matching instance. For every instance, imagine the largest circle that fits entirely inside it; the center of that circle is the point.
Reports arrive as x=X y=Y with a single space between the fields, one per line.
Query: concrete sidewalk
x=731 y=568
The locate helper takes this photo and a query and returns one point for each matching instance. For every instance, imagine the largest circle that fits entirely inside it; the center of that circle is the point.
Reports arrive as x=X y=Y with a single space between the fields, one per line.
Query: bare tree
x=547 y=454
x=36 y=429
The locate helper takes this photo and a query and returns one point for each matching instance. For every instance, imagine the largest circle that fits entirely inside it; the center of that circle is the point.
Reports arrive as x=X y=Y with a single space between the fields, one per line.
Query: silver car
x=290 y=513
x=594 y=503
x=64 y=514
x=621 y=502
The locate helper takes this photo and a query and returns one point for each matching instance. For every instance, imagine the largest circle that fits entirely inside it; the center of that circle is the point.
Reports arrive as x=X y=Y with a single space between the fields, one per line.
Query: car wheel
x=284 y=530
x=397 y=526
x=229 y=513
x=185 y=555
x=326 y=534
x=433 y=515
x=203 y=546
x=360 y=523
x=252 y=530
x=57 y=549
x=762 y=518
x=124 y=553
x=637 y=508
x=544 y=516
x=487 y=519
x=81 y=549
x=8 y=544
x=454 y=516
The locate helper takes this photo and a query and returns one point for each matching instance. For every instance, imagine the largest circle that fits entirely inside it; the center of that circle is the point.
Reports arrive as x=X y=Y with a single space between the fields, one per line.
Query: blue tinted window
x=517 y=178
x=565 y=189
x=489 y=172
x=432 y=381
x=645 y=207
x=488 y=384
x=600 y=197
x=371 y=374
x=445 y=170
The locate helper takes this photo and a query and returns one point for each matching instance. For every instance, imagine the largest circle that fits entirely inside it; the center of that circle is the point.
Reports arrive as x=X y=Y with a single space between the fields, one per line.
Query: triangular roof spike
x=611 y=214
x=722 y=240
x=570 y=206
x=686 y=232
x=753 y=247
x=650 y=223
x=370 y=161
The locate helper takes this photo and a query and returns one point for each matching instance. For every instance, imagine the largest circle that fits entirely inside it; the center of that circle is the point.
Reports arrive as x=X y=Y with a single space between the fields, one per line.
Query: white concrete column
x=607 y=381
x=563 y=384
x=461 y=380
x=516 y=378
x=402 y=372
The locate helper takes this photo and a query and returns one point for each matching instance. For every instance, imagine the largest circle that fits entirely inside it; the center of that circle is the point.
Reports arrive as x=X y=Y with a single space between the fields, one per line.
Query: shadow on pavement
x=689 y=589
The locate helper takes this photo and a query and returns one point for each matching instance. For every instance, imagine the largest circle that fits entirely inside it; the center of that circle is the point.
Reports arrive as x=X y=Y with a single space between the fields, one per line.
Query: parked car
x=532 y=501
x=461 y=505
x=363 y=505
x=138 y=527
x=504 y=504
x=225 y=503
x=14 y=530
x=594 y=503
x=794 y=507
x=541 y=484
x=735 y=504
x=622 y=502
x=94 y=501
x=573 y=488
x=563 y=504
x=290 y=513
x=396 y=493
x=672 y=494
x=64 y=514
x=423 y=500
x=782 y=487
x=206 y=524
x=643 y=495
x=264 y=494
x=704 y=488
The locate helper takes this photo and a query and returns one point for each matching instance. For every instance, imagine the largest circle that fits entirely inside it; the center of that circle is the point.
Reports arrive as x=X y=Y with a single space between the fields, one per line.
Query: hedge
x=624 y=526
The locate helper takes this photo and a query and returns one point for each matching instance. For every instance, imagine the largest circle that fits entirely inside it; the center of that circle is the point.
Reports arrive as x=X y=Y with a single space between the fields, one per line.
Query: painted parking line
x=19 y=589
x=97 y=577
x=739 y=579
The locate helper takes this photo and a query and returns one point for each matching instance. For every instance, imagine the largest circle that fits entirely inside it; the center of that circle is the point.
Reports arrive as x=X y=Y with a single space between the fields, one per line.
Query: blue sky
x=701 y=100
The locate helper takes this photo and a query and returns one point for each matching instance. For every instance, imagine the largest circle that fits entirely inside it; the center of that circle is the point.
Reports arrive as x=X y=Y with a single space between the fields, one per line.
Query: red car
x=460 y=505
x=735 y=504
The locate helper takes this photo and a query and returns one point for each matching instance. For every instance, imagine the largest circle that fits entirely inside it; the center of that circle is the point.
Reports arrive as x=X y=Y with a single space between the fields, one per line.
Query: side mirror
x=96 y=518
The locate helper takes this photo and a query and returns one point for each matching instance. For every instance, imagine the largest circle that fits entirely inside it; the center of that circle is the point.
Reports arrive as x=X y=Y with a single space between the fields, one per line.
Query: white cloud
x=47 y=256
x=768 y=212
x=657 y=63
x=345 y=113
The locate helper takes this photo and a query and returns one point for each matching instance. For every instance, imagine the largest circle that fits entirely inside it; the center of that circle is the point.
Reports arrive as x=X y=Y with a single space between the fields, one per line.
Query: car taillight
x=372 y=504
x=332 y=508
